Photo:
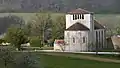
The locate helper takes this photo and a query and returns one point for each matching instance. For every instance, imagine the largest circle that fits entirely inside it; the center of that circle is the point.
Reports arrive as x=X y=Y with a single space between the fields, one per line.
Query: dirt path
x=84 y=57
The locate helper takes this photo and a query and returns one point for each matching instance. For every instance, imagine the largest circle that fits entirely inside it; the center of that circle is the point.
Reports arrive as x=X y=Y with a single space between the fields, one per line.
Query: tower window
x=82 y=16
x=78 y=16
x=75 y=16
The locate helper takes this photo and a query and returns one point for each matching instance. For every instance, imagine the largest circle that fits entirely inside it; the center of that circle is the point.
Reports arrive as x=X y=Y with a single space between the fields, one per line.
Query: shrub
x=26 y=60
x=1 y=40
x=11 y=48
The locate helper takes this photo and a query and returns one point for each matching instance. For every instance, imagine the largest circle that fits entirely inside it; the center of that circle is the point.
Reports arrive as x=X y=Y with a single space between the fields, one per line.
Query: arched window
x=83 y=39
x=73 y=40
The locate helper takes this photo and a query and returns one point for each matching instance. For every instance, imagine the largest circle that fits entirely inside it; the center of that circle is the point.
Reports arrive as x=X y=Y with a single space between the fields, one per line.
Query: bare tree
x=41 y=25
x=58 y=28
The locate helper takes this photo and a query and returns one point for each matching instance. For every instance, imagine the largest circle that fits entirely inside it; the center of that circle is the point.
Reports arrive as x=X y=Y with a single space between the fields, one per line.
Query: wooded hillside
x=97 y=6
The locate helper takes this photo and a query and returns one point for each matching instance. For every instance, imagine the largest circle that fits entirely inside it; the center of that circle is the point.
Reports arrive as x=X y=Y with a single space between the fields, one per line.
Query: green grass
x=109 y=56
x=92 y=55
x=47 y=61
x=66 y=62
x=37 y=48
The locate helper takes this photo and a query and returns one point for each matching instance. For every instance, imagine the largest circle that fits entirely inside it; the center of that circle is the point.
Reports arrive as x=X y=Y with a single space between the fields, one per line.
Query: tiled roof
x=59 y=41
x=79 y=11
x=77 y=26
x=97 y=25
x=116 y=41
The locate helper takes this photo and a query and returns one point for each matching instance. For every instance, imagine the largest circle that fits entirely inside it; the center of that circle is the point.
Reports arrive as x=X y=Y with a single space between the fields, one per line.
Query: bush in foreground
x=10 y=59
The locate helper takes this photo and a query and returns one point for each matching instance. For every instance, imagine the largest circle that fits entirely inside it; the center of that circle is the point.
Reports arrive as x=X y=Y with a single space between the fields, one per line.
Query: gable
x=97 y=25
x=77 y=26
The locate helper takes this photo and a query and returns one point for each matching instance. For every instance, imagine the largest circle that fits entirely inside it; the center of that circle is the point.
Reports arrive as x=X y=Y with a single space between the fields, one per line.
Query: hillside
x=109 y=20
x=97 y=6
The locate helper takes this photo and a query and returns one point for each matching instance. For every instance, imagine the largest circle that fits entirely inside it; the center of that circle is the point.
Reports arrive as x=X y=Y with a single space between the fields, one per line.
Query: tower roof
x=79 y=11
x=77 y=26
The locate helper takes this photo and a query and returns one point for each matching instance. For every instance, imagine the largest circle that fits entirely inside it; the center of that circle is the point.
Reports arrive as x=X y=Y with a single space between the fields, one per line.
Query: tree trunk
x=43 y=38
x=5 y=64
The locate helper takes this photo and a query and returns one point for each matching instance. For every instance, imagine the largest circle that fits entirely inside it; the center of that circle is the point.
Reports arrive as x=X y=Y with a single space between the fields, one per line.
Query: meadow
x=45 y=60
x=48 y=61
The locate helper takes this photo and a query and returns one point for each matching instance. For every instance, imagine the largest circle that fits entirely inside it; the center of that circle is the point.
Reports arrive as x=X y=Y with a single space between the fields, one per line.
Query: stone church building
x=83 y=32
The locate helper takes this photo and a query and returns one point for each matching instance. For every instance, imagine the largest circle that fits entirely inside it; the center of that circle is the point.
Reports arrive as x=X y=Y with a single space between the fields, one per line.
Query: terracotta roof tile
x=77 y=26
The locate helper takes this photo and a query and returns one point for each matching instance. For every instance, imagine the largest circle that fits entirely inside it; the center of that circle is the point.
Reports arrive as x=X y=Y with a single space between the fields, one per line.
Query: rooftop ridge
x=79 y=11
x=77 y=26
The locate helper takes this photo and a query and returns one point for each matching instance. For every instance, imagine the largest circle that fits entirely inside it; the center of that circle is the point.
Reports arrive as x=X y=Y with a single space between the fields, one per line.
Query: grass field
x=50 y=61
x=110 y=20
x=66 y=62
x=109 y=56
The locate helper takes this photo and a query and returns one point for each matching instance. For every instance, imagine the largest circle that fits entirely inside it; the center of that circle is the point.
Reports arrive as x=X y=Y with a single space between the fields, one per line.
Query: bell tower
x=82 y=16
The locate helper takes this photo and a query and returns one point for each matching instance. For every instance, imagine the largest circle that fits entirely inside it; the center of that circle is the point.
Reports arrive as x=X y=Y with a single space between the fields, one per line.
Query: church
x=83 y=32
